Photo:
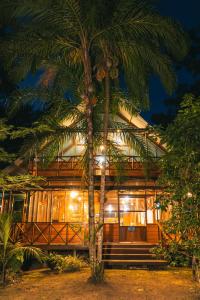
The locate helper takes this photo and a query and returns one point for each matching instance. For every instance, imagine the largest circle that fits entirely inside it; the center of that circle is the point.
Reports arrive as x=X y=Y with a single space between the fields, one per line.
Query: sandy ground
x=120 y=285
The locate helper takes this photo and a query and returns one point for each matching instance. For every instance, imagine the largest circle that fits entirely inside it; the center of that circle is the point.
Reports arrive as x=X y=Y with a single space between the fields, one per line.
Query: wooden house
x=56 y=216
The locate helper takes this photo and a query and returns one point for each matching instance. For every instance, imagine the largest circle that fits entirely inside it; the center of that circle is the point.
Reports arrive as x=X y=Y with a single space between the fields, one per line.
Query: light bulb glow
x=125 y=208
x=71 y=207
x=110 y=208
x=73 y=194
x=101 y=159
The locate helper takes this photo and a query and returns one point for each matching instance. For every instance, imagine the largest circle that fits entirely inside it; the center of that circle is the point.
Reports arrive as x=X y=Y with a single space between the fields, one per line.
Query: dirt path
x=120 y=285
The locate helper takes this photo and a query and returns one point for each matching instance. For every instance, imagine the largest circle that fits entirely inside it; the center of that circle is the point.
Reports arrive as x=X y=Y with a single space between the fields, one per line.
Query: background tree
x=181 y=179
x=189 y=68
x=7 y=181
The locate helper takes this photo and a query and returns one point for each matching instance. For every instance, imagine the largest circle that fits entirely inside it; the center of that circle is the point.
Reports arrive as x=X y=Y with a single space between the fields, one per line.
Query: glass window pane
x=133 y=219
x=74 y=206
x=108 y=207
x=110 y=217
x=150 y=216
x=132 y=204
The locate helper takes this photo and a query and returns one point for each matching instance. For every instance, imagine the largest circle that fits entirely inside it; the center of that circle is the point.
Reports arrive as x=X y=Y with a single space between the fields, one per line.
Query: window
x=111 y=208
x=132 y=219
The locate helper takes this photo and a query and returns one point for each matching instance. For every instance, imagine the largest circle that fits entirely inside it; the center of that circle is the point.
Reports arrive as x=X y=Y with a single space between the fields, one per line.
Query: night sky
x=187 y=12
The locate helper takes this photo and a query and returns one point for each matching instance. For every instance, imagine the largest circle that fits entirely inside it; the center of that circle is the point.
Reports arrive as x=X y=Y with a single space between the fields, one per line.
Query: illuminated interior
x=125 y=207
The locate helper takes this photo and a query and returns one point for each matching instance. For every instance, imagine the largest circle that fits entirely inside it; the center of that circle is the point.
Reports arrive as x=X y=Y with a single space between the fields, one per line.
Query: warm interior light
x=102 y=147
x=71 y=207
x=79 y=198
x=125 y=208
x=101 y=159
x=189 y=195
x=73 y=194
x=110 y=208
x=150 y=216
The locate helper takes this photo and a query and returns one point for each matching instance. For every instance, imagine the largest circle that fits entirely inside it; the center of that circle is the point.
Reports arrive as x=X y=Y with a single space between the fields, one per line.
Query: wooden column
x=25 y=208
x=118 y=205
x=2 y=201
x=146 y=208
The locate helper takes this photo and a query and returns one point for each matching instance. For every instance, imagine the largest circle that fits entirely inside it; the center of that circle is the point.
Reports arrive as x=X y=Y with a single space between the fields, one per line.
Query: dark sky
x=187 y=12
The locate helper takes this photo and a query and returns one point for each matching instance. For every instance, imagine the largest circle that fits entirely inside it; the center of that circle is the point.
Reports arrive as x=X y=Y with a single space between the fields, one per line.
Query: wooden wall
x=111 y=232
x=152 y=233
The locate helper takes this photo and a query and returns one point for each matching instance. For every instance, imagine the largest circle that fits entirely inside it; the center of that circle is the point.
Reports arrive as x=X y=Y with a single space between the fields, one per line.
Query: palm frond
x=27 y=252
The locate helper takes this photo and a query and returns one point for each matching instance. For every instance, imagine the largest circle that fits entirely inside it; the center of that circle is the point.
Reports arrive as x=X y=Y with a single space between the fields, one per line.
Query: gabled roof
x=73 y=148
x=131 y=122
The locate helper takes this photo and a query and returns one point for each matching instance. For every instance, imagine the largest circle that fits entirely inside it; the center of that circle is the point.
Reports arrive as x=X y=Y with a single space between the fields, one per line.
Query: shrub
x=61 y=263
x=173 y=254
x=12 y=255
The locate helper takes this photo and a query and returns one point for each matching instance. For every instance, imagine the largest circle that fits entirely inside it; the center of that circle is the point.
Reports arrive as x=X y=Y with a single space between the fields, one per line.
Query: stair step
x=129 y=256
x=129 y=246
x=150 y=262
x=126 y=250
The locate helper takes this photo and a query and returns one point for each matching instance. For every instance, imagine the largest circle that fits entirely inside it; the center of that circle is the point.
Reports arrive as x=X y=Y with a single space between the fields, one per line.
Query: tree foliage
x=181 y=177
x=189 y=82
x=12 y=255
x=23 y=181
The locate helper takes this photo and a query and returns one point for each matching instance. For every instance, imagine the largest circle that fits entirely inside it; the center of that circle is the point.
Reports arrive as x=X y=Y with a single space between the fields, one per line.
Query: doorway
x=132 y=215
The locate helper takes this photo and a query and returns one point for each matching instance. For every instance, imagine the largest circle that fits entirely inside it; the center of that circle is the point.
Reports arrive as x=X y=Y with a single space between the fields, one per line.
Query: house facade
x=56 y=216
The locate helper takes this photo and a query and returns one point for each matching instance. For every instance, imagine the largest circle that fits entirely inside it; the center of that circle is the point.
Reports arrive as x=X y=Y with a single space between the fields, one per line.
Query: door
x=132 y=218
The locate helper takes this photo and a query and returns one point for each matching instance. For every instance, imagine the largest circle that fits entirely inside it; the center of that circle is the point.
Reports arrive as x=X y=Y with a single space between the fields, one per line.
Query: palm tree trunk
x=3 y=274
x=91 y=211
x=103 y=170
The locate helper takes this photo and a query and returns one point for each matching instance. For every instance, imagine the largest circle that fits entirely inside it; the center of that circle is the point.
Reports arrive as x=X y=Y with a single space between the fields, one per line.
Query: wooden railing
x=46 y=233
x=72 y=165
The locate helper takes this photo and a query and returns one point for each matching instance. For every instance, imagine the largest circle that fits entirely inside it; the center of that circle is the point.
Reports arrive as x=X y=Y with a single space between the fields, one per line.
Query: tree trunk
x=195 y=269
x=103 y=169
x=91 y=211
x=3 y=274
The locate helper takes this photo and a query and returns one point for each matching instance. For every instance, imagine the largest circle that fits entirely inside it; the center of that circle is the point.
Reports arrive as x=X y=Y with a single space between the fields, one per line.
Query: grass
x=170 y=284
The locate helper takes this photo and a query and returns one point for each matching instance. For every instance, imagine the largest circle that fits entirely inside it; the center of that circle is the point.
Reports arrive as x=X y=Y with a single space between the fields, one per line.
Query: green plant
x=12 y=255
x=173 y=253
x=180 y=181
x=60 y=263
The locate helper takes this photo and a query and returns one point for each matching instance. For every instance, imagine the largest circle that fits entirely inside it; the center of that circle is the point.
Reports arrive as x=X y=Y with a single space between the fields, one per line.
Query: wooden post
x=118 y=205
x=146 y=208
x=2 y=201
x=31 y=209
x=51 y=206
x=35 y=206
x=48 y=209
x=10 y=203
x=25 y=206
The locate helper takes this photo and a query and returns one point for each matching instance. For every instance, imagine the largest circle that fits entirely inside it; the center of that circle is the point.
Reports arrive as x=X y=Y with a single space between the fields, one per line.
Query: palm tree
x=12 y=255
x=136 y=41
x=76 y=33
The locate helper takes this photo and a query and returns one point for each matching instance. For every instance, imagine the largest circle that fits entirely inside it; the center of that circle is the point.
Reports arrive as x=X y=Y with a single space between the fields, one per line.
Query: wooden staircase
x=131 y=256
